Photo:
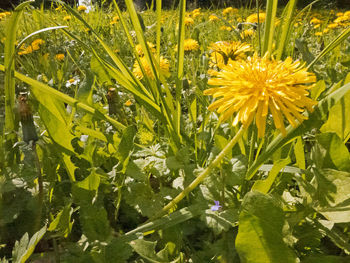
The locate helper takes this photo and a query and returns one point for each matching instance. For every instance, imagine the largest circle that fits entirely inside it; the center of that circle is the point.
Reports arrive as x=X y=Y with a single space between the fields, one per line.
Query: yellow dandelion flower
x=59 y=57
x=189 y=45
x=164 y=68
x=38 y=42
x=223 y=52
x=325 y=31
x=151 y=46
x=257 y=86
x=128 y=103
x=317 y=26
x=318 y=34
x=339 y=14
x=58 y=8
x=82 y=8
x=247 y=33
x=226 y=28
x=213 y=18
x=315 y=21
x=196 y=12
x=347 y=14
x=254 y=18
x=67 y=18
x=332 y=25
x=229 y=11
x=189 y=21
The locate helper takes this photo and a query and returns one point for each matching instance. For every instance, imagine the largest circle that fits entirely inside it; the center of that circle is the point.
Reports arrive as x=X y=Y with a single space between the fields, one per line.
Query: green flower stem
x=203 y=174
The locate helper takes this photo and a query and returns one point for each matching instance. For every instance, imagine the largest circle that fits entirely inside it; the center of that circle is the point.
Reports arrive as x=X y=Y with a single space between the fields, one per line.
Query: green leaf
x=84 y=93
x=117 y=252
x=95 y=224
x=318 y=89
x=146 y=249
x=339 y=118
x=25 y=247
x=91 y=183
x=55 y=118
x=326 y=259
x=304 y=50
x=334 y=186
x=260 y=235
x=331 y=152
x=62 y=222
x=264 y=186
x=220 y=221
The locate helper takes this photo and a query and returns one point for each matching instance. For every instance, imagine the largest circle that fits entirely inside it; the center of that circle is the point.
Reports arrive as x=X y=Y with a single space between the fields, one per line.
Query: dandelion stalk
x=203 y=174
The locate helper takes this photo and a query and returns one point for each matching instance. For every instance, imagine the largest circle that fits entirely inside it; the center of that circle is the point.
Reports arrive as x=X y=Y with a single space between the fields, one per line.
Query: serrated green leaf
x=260 y=237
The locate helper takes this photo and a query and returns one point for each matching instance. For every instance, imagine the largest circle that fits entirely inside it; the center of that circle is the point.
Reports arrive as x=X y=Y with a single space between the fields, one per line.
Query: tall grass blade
x=286 y=28
x=180 y=63
x=9 y=62
x=271 y=9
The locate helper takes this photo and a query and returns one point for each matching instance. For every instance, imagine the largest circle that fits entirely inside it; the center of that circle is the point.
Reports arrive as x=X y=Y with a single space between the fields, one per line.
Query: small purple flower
x=216 y=207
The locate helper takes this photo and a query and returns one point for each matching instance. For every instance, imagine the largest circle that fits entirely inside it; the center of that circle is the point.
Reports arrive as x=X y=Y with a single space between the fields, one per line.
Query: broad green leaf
x=55 y=118
x=260 y=231
x=117 y=252
x=25 y=247
x=334 y=186
x=85 y=89
x=62 y=222
x=339 y=119
x=90 y=183
x=332 y=153
x=220 y=221
x=94 y=221
x=146 y=249
x=299 y=153
x=301 y=44
x=264 y=186
x=318 y=89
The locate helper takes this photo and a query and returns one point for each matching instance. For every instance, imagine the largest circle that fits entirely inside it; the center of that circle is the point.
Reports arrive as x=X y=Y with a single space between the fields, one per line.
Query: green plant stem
x=203 y=174
x=41 y=189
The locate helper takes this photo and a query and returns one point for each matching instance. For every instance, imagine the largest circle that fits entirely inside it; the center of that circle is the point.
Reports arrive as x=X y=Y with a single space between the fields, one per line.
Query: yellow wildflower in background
x=59 y=57
x=164 y=68
x=224 y=52
x=35 y=45
x=252 y=88
x=115 y=20
x=213 y=18
x=226 y=28
x=254 y=18
x=151 y=46
x=189 y=21
x=315 y=21
x=229 y=11
x=196 y=12
x=82 y=8
x=189 y=45
x=67 y=18
x=247 y=33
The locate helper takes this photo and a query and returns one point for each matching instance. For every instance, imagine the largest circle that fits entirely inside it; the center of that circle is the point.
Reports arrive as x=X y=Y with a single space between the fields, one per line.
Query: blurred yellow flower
x=229 y=11
x=254 y=18
x=325 y=31
x=189 y=45
x=115 y=20
x=315 y=20
x=67 y=18
x=247 y=33
x=226 y=28
x=59 y=57
x=213 y=18
x=151 y=46
x=128 y=103
x=252 y=88
x=196 y=12
x=35 y=45
x=164 y=68
x=189 y=21
x=82 y=8
x=332 y=25
x=318 y=34
x=224 y=52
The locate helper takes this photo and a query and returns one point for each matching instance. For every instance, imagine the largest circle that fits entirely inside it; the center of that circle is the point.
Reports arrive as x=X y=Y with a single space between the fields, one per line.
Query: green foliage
x=162 y=179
